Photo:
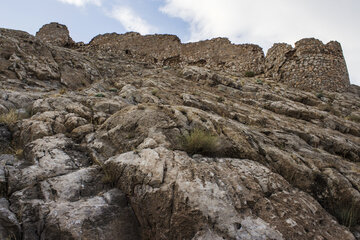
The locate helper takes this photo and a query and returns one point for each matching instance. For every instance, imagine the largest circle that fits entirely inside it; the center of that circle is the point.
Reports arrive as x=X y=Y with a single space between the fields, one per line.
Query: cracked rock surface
x=92 y=148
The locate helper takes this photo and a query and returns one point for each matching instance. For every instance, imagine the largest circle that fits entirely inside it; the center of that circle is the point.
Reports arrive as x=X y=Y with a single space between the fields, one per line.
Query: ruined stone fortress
x=310 y=65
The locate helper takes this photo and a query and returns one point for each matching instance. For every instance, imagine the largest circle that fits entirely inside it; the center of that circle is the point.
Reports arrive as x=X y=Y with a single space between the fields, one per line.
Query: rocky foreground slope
x=93 y=142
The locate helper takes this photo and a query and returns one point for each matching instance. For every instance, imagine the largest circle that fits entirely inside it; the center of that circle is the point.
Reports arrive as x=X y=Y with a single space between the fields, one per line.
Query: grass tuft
x=62 y=91
x=348 y=213
x=100 y=95
x=259 y=81
x=155 y=92
x=249 y=74
x=199 y=141
x=9 y=118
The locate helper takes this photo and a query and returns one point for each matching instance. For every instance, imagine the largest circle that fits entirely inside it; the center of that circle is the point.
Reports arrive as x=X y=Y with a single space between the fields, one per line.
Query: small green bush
x=319 y=95
x=99 y=95
x=249 y=74
x=258 y=81
x=199 y=141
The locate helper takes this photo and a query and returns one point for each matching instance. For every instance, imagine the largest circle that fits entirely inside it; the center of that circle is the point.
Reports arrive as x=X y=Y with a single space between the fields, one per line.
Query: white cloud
x=131 y=21
x=81 y=3
x=265 y=22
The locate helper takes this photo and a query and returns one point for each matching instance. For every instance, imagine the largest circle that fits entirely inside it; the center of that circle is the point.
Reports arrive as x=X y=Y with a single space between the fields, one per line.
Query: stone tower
x=311 y=65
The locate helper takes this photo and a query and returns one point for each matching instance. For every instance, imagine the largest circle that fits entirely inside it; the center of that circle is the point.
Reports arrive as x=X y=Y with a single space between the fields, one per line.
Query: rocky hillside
x=132 y=137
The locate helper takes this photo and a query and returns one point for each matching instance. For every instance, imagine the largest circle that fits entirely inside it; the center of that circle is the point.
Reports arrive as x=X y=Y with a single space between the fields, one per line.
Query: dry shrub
x=9 y=118
x=200 y=141
x=348 y=213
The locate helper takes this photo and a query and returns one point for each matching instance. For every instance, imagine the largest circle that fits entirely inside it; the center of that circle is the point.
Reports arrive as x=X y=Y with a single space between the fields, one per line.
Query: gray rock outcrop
x=100 y=144
x=55 y=34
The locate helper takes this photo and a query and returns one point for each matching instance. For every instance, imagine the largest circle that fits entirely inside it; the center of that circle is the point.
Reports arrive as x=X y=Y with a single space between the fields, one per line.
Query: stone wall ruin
x=310 y=65
x=217 y=53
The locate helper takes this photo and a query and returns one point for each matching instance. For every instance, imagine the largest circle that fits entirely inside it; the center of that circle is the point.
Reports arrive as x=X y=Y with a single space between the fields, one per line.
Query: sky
x=262 y=22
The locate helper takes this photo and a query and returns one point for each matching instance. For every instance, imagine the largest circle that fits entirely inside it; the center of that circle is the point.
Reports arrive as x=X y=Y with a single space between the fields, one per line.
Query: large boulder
x=56 y=193
x=56 y=34
x=175 y=196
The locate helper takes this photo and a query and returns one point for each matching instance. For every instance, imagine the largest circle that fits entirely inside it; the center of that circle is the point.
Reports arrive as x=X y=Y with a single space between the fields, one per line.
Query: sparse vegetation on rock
x=200 y=141
x=10 y=117
x=259 y=81
x=100 y=95
x=319 y=95
x=348 y=213
x=249 y=74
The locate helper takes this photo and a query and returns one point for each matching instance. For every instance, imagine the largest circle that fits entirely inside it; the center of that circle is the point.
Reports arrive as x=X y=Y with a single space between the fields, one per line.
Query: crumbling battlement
x=147 y=48
x=218 y=53
x=311 y=65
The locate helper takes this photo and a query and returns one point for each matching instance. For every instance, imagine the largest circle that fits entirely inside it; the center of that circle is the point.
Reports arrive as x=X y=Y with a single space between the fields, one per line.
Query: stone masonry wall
x=149 y=48
x=218 y=53
x=311 y=65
